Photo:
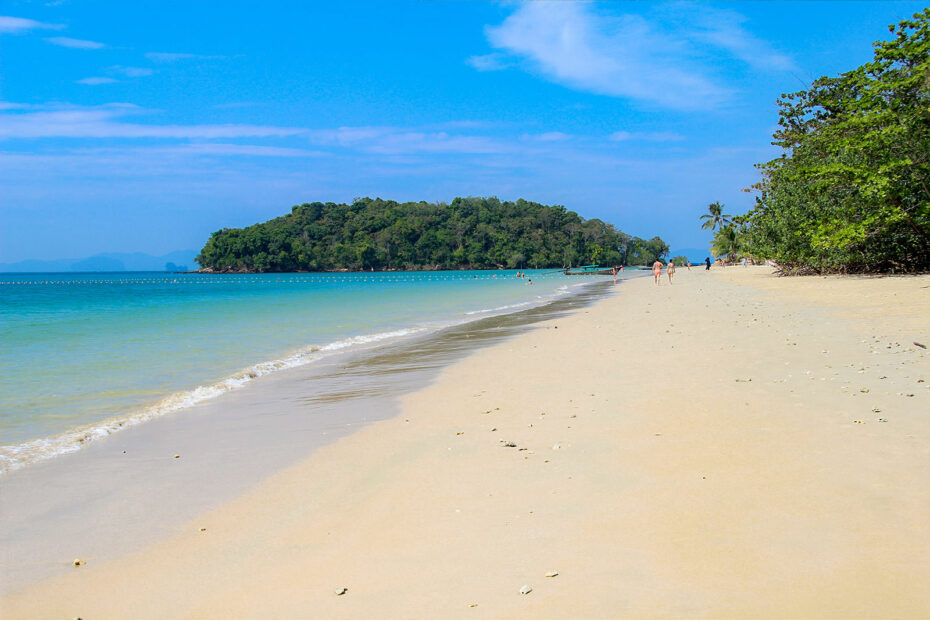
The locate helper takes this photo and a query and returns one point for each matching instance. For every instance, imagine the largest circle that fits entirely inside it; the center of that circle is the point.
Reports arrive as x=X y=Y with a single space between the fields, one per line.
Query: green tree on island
x=477 y=233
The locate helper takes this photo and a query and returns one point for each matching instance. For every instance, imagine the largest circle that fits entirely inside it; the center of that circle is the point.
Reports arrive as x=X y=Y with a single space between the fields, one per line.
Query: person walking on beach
x=707 y=263
x=657 y=271
x=670 y=270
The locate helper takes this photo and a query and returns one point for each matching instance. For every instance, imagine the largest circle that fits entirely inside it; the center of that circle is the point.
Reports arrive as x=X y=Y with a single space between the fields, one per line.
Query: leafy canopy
x=382 y=234
x=851 y=190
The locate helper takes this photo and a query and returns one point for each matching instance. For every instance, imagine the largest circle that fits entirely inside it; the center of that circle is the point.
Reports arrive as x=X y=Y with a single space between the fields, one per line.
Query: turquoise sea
x=84 y=355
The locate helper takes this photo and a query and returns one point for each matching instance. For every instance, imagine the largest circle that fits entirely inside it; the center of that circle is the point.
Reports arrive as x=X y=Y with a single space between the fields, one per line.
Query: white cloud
x=664 y=61
x=622 y=56
x=130 y=71
x=553 y=136
x=400 y=141
x=16 y=25
x=80 y=44
x=96 y=81
x=248 y=150
x=107 y=122
x=724 y=29
x=175 y=56
x=489 y=62
x=656 y=136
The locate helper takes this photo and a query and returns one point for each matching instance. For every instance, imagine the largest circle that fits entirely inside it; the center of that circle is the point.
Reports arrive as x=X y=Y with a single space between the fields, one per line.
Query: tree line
x=850 y=191
x=468 y=233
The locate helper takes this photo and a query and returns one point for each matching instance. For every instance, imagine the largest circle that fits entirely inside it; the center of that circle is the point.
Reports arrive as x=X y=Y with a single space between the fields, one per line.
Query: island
x=382 y=235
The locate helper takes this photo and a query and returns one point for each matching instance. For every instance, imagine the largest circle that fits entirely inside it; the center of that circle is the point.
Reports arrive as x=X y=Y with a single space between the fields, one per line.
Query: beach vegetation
x=468 y=233
x=715 y=218
x=850 y=191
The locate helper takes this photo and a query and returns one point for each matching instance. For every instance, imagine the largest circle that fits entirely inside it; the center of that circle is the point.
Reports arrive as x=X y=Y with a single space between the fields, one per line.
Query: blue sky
x=144 y=126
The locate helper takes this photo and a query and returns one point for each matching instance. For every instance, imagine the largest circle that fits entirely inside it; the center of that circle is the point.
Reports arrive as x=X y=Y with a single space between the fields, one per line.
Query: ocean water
x=85 y=355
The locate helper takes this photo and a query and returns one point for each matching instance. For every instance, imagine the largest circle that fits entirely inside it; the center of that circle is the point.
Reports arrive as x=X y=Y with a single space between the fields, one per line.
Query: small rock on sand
x=340 y=591
x=79 y=562
x=526 y=589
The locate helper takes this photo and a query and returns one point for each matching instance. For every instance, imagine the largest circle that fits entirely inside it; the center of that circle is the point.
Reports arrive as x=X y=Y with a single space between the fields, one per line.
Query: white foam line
x=16 y=456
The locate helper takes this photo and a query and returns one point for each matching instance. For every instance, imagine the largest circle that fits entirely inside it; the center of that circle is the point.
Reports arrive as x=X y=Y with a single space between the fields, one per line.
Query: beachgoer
x=615 y=275
x=670 y=270
x=529 y=280
x=688 y=264
x=707 y=263
x=657 y=271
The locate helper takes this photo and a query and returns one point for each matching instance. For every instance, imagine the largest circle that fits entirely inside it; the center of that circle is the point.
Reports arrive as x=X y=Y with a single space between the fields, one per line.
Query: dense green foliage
x=382 y=234
x=851 y=192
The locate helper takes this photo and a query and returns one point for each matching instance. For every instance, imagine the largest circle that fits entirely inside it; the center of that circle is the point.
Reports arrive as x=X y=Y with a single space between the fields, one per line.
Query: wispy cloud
x=166 y=57
x=489 y=62
x=656 y=136
x=399 y=140
x=247 y=150
x=80 y=44
x=130 y=71
x=96 y=81
x=657 y=61
x=724 y=29
x=17 y=25
x=107 y=121
x=624 y=56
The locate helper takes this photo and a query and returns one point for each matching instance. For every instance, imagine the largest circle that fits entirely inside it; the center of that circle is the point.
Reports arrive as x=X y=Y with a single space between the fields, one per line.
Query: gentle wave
x=19 y=455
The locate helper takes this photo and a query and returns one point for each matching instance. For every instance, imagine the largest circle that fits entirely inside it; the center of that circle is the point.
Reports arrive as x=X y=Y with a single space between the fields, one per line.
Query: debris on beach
x=552 y=573
x=557 y=446
x=526 y=589
x=79 y=562
x=340 y=591
x=177 y=456
x=509 y=444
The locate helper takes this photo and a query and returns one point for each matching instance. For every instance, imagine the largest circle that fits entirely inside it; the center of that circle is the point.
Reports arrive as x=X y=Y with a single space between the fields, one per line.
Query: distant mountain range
x=182 y=260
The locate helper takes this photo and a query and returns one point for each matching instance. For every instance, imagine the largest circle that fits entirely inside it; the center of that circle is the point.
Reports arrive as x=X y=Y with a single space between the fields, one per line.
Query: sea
x=84 y=355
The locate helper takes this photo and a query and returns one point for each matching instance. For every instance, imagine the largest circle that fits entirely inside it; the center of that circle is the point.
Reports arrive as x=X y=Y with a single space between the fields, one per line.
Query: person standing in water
x=670 y=270
x=657 y=270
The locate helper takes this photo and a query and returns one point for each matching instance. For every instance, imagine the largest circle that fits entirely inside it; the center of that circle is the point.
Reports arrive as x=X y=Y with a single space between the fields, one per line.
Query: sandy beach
x=733 y=446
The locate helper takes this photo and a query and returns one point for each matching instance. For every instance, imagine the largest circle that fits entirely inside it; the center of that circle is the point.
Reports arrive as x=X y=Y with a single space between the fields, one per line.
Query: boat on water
x=589 y=270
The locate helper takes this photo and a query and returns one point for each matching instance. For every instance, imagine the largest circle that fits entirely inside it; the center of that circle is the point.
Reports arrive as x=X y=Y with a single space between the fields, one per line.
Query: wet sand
x=126 y=491
x=735 y=445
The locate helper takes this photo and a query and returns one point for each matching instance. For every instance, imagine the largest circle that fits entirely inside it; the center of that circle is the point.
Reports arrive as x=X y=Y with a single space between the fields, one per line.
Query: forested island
x=468 y=233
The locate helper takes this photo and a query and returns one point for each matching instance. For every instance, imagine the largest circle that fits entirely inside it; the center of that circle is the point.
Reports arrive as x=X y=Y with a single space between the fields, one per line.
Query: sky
x=145 y=126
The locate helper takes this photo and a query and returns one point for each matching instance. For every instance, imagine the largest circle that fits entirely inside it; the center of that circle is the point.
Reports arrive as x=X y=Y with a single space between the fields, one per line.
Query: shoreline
x=29 y=450
x=113 y=496
x=734 y=445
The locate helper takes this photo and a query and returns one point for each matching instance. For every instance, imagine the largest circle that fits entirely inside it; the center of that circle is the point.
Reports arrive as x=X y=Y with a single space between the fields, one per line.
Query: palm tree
x=715 y=217
x=726 y=242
